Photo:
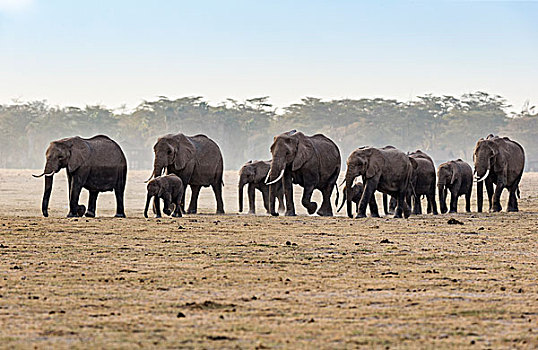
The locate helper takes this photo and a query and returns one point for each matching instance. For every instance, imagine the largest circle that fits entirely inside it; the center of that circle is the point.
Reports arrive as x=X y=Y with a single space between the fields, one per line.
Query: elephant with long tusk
x=498 y=163
x=96 y=164
x=312 y=162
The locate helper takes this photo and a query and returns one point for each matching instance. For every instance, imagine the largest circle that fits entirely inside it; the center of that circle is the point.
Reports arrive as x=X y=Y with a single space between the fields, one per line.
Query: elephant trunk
x=479 y=196
x=46 y=195
x=349 y=195
x=148 y=199
x=242 y=182
x=157 y=171
x=344 y=196
x=442 y=197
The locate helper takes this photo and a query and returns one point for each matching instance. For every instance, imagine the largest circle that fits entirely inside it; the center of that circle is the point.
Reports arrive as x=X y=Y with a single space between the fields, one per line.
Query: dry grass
x=245 y=281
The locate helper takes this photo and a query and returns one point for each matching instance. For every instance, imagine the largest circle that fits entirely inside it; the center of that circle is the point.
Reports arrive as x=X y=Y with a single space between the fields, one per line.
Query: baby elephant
x=170 y=189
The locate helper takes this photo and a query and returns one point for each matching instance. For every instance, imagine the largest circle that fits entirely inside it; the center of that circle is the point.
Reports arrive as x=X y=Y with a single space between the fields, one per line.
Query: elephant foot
x=81 y=210
x=191 y=211
x=497 y=208
x=158 y=216
x=375 y=215
x=452 y=211
x=290 y=213
x=167 y=212
x=325 y=212
x=90 y=214
x=275 y=214
x=311 y=208
x=360 y=215
x=252 y=212
x=119 y=215
x=220 y=212
x=176 y=215
x=512 y=210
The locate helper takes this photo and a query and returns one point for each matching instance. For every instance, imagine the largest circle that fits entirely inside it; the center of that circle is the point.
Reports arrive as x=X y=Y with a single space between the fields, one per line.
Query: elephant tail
x=518 y=193
x=337 y=195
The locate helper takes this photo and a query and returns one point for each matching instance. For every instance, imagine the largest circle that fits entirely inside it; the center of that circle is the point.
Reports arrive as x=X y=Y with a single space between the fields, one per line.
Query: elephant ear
x=454 y=173
x=184 y=151
x=80 y=152
x=375 y=163
x=305 y=151
x=414 y=163
x=260 y=173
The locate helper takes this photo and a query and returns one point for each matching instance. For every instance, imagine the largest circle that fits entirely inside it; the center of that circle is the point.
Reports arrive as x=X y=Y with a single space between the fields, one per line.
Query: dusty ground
x=208 y=281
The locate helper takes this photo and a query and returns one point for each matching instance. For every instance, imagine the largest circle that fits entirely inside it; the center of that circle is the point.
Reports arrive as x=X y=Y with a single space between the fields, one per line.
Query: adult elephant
x=456 y=176
x=499 y=162
x=96 y=164
x=387 y=170
x=312 y=162
x=254 y=174
x=196 y=160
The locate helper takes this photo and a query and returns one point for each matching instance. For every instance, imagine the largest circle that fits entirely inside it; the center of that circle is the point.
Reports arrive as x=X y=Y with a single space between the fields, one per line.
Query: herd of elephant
x=98 y=164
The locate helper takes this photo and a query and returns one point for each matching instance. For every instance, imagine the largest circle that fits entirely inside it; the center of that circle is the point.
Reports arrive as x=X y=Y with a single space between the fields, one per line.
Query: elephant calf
x=254 y=173
x=456 y=176
x=170 y=189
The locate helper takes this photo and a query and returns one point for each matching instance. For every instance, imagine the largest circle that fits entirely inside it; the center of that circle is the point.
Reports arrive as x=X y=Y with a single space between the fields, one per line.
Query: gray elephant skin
x=387 y=170
x=170 y=189
x=356 y=194
x=456 y=176
x=499 y=163
x=253 y=174
x=313 y=162
x=196 y=160
x=96 y=164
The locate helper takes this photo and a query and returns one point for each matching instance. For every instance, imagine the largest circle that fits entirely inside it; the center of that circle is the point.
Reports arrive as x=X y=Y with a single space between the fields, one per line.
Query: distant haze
x=122 y=52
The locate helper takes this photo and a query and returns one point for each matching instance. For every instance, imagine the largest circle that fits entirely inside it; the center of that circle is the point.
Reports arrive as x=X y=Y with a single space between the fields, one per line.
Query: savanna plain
x=242 y=281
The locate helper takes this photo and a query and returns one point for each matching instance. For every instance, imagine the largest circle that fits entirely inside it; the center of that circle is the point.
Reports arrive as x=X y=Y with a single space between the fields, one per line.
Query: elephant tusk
x=267 y=177
x=483 y=177
x=49 y=174
x=151 y=176
x=277 y=179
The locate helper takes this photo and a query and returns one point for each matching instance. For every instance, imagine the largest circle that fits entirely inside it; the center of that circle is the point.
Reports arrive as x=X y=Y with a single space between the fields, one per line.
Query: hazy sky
x=123 y=51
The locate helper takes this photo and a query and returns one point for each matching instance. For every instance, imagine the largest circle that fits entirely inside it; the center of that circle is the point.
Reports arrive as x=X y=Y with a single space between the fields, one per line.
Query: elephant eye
x=169 y=151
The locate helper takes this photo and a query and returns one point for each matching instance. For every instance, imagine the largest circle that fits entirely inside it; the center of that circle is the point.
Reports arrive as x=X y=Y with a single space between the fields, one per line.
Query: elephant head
x=157 y=188
x=172 y=151
x=366 y=162
x=484 y=157
x=250 y=173
x=68 y=153
x=446 y=175
x=291 y=149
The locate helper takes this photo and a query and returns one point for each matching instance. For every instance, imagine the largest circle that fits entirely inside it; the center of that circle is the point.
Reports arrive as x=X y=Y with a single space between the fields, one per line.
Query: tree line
x=446 y=127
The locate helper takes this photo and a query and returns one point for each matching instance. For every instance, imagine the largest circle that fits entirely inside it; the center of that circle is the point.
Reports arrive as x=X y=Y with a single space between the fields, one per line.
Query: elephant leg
x=195 y=192
x=281 y=203
x=265 y=197
x=402 y=209
x=468 y=202
x=288 y=193
x=454 y=200
x=177 y=209
x=306 y=200
x=432 y=206
x=374 y=211
x=497 y=197
x=252 y=199
x=157 y=206
x=326 y=208
x=120 y=210
x=75 y=210
x=393 y=203
x=217 y=189
x=417 y=205
x=489 y=190
x=92 y=203
x=512 y=201
x=369 y=191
